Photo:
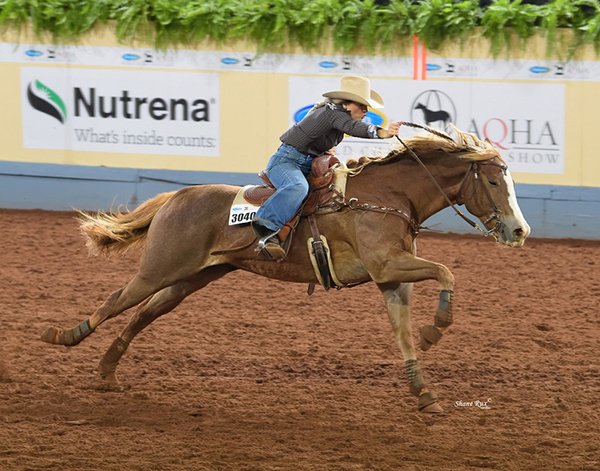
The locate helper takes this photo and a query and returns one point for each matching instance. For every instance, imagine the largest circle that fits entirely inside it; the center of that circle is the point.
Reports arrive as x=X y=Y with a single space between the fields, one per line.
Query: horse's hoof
x=52 y=335
x=110 y=385
x=108 y=372
x=111 y=378
x=434 y=408
x=430 y=336
x=428 y=403
x=110 y=382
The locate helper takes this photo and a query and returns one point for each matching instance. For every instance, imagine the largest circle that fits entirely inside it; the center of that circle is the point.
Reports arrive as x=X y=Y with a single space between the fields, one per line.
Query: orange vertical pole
x=415 y=57
x=423 y=62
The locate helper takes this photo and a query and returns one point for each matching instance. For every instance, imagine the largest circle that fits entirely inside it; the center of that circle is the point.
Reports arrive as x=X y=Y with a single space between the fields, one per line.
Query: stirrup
x=270 y=248
x=268 y=243
x=273 y=251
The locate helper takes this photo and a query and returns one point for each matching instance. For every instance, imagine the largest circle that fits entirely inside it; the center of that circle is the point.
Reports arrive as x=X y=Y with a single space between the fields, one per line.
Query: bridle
x=473 y=168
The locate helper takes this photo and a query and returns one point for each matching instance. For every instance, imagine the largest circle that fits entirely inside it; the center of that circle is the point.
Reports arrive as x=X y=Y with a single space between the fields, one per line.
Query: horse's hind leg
x=135 y=292
x=397 y=298
x=159 y=304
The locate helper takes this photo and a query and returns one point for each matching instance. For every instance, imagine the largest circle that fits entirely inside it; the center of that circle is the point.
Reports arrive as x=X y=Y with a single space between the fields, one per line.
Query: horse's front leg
x=397 y=300
x=407 y=268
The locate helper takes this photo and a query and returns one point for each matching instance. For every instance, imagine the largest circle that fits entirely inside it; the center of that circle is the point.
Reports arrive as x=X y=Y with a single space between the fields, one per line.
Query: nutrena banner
x=120 y=111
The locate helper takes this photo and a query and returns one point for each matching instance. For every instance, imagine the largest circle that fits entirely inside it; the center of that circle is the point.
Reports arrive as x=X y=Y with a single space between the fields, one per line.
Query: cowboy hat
x=357 y=88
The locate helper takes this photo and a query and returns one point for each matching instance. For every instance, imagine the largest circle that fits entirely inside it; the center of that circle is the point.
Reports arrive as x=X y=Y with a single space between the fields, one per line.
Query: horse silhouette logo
x=435 y=108
x=433 y=116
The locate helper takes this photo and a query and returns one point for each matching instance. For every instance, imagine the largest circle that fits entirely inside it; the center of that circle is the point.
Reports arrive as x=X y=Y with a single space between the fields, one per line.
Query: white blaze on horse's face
x=495 y=203
x=490 y=195
x=515 y=228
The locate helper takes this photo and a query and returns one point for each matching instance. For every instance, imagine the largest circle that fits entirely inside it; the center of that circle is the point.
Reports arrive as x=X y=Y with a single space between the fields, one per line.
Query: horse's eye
x=493 y=183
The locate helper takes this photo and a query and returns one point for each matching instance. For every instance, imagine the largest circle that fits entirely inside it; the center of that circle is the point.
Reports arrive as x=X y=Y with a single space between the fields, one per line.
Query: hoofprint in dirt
x=253 y=374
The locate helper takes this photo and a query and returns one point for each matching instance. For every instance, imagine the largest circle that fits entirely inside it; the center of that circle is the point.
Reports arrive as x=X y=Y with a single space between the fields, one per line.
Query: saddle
x=320 y=177
x=323 y=184
x=320 y=191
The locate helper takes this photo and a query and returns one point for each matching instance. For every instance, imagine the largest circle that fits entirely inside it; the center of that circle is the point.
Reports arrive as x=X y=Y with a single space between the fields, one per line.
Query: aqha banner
x=526 y=122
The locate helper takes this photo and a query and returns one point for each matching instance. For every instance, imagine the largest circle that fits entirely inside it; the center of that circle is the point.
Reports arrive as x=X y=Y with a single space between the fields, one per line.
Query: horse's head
x=487 y=189
x=488 y=192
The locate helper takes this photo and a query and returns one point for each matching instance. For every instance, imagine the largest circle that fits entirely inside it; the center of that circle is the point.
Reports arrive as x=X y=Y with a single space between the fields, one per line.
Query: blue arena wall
x=552 y=211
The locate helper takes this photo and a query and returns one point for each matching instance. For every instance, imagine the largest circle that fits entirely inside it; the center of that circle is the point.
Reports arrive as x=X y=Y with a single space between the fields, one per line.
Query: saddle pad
x=241 y=211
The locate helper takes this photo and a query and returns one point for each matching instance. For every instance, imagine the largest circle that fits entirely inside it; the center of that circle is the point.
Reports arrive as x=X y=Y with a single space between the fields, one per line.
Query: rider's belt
x=305 y=152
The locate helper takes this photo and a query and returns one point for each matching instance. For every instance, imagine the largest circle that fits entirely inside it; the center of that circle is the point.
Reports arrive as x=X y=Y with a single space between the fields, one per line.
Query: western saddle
x=320 y=191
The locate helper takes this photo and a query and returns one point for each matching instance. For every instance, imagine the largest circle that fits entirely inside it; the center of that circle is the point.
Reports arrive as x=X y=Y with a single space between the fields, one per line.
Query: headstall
x=474 y=167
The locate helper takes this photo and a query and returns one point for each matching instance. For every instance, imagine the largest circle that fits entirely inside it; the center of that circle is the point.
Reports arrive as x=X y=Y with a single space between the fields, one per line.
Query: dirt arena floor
x=251 y=374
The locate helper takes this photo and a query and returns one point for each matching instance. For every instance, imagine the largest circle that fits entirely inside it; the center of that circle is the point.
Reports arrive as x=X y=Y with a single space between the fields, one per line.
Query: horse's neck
x=406 y=184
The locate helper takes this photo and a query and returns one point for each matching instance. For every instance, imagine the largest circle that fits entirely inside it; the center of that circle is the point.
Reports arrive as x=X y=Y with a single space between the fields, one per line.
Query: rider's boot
x=268 y=242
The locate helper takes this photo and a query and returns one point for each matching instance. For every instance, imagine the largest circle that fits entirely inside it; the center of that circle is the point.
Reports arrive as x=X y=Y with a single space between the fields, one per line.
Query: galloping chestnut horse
x=185 y=236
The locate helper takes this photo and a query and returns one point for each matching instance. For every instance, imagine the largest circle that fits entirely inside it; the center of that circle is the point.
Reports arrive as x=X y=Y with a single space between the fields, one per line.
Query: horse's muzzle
x=513 y=232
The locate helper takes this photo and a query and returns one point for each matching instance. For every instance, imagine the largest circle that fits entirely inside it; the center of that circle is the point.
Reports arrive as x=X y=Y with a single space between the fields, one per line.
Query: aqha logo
x=434 y=108
x=45 y=100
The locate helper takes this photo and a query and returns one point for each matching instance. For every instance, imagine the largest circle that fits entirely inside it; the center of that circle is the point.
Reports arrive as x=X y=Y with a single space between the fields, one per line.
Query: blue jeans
x=287 y=170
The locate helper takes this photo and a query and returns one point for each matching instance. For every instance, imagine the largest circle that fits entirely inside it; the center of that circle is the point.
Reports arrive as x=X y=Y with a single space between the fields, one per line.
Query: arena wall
x=100 y=124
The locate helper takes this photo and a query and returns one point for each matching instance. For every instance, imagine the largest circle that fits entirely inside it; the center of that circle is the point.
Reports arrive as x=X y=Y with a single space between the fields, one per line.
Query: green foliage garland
x=274 y=25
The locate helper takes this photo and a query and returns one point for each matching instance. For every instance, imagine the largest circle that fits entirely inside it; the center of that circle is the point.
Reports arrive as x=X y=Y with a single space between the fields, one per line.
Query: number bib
x=242 y=213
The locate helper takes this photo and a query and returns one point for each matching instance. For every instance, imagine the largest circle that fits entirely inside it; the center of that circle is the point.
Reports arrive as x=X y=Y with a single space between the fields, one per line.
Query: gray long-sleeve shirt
x=324 y=127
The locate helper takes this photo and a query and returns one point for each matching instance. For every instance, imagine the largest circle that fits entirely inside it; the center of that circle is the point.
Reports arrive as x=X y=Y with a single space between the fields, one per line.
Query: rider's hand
x=330 y=151
x=391 y=131
x=393 y=128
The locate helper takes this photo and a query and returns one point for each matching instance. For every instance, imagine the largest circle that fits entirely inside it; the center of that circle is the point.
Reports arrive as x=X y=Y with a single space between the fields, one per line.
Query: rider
x=318 y=133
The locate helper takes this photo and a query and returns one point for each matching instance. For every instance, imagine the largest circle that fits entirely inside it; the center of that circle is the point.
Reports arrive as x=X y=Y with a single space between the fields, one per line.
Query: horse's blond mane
x=464 y=146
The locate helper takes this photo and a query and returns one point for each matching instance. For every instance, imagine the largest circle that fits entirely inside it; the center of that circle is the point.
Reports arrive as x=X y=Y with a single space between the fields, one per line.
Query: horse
x=434 y=116
x=187 y=242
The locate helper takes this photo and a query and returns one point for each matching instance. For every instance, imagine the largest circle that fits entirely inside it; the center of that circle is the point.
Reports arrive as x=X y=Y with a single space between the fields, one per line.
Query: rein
x=428 y=129
x=473 y=167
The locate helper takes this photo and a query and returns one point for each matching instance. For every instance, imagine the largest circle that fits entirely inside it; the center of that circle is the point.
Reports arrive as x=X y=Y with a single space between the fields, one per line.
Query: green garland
x=274 y=25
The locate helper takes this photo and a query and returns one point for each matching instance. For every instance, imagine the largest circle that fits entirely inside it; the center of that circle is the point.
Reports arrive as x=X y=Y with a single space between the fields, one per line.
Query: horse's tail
x=117 y=232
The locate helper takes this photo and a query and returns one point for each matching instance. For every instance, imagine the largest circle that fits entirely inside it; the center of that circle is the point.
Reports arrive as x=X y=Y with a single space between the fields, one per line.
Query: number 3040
x=246 y=217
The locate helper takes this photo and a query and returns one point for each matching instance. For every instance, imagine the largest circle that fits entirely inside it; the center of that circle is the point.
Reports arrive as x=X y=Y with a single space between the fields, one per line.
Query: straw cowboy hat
x=356 y=88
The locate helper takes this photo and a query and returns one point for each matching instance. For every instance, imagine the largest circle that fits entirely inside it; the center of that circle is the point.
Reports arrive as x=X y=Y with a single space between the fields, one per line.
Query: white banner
x=522 y=69
x=526 y=122
x=183 y=59
x=395 y=67
x=120 y=111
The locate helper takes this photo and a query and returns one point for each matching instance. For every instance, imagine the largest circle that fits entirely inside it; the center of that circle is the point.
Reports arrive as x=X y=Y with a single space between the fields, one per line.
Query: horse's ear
x=487 y=139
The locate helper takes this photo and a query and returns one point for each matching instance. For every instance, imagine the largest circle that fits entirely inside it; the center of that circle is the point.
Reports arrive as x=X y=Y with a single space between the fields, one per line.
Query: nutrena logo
x=127 y=106
x=92 y=104
x=46 y=100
